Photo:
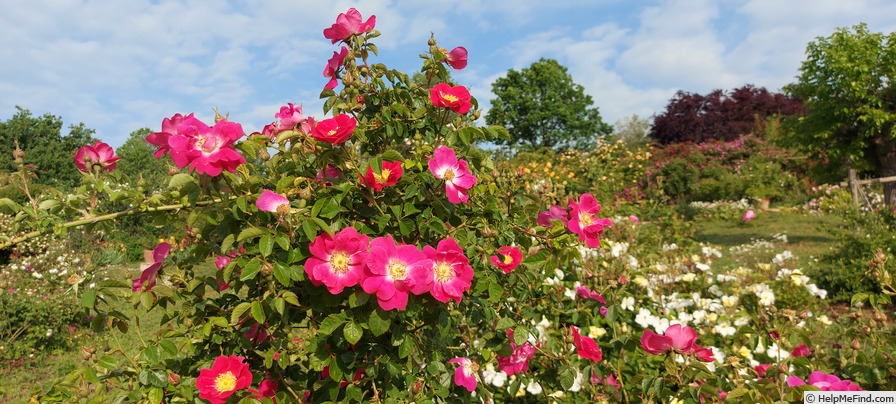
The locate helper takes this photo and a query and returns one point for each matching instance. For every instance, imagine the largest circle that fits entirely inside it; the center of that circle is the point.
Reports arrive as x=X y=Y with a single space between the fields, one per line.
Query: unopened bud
x=305 y=194
x=475 y=114
x=865 y=330
x=86 y=354
x=263 y=155
x=173 y=379
x=266 y=269
x=783 y=368
x=788 y=312
x=172 y=170
x=855 y=344
x=432 y=41
x=879 y=316
x=219 y=117
x=804 y=314
x=18 y=154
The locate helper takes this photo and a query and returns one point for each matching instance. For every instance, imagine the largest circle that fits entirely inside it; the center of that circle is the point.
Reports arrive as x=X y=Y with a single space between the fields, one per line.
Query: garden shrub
x=380 y=256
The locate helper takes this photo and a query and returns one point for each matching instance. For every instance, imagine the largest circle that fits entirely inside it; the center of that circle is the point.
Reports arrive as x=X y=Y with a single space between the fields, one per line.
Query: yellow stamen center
x=331 y=132
x=339 y=262
x=397 y=270
x=586 y=219
x=382 y=178
x=443 y=272
x=507 y=259
x=448 y=97
x=449 y=175
x=207 y=144
x=225 y=382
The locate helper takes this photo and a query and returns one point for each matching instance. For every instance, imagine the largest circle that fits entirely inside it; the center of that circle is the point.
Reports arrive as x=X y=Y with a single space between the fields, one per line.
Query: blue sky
x=119 y=66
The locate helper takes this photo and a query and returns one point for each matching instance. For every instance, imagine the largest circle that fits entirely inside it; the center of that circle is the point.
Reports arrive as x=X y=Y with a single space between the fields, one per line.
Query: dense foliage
x=542 y=107
x=691 y=117
x=379 y=256
x=846 y=84
x=45 y=147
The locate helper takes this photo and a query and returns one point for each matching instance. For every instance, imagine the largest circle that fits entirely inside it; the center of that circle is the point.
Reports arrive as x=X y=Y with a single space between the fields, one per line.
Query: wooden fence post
x=854 y=186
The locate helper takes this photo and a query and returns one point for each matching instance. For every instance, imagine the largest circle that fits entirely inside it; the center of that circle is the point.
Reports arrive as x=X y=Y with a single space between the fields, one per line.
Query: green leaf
x=179 y=180
x=155 y=395
x=407 y=346
x=266 y=245
x=331 y=323
x=238 y=312
x=250 y=233
x=283 y=274
x=310 y=229
x=737 y=392
x=352 y=332
x=107 y=362
x=290 y=297
x=156 y=378
x=495 y=292
x=250 y=270
x=227 y=243
x=858 y=298
x=9 y=206
x=258 y=312
x=153 y=353
x=537 y=260
x=88 y=299
x=283 y=241
x=520 y=335
x=505 y=323
x=378 y=322
x=567 y=378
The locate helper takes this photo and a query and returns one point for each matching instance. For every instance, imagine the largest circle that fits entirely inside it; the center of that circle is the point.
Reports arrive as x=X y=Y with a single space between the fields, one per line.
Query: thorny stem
x=109 y=216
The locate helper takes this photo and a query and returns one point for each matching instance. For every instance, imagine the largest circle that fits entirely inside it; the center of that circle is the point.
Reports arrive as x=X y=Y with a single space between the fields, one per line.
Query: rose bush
x=378 y=255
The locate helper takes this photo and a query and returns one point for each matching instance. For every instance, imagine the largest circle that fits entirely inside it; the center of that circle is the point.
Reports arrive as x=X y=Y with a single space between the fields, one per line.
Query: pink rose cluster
x=581 y=219
x=677 y=339
x=205 y=149
x=388 y=269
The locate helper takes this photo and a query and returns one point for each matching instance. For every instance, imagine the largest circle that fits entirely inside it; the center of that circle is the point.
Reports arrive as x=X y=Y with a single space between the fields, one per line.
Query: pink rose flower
x=457 y=58
x=825 y=382
x=337 y=261
x=749 y=215
x=456 y=98
x=148 y=276
x=510 y=258
x=586 y=293
x=393 y=271
x=331 y=70
x=465 y=374
x=553 y=213
x=227 y=375
x=518 y=361
x=207 y=150
x=452 y=273
x=389 y=174
x=99 y=155
x=169 y=128
x=289 y=117
x=270 y=201
x=584 y=220
x=585 y=346
x=334 y=130
x=444 y=165
x=678 y=338
x=801 y=350
x=266 y=389
x=348 y=24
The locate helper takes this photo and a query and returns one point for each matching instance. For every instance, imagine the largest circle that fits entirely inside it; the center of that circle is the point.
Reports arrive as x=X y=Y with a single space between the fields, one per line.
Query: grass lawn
x=807 y=237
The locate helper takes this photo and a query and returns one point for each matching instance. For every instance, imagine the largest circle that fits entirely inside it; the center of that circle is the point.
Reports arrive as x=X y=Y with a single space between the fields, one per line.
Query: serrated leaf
x=378 y=322
x=250 y=270
x=505 y=323
x=250 y=233
x=737 y=392
x=520 y=335
x=283 y=274
x=257 y=311
x=227 y=243
x=107 y=362
x=331 y=323
x=567 y=378
x=9 y=206
x=238 y=312
x=407 y=346
x=537 y=260
x=352 y=332
x=179 y=180
x=290 y=297
x=266 y=245
x=154 y=378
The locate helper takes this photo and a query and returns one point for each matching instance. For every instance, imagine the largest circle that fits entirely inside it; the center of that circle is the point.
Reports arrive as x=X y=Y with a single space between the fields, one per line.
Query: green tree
x=138 y=163
x=44 y=145
x=633 y=130
x=846 y=83
x=542 y=107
